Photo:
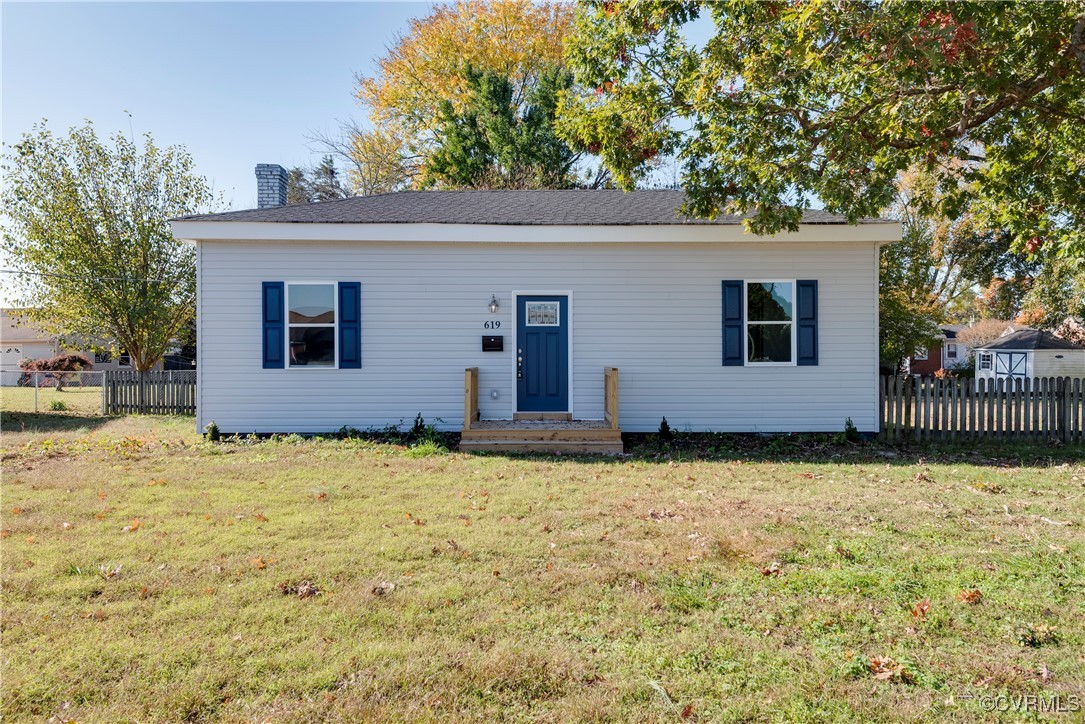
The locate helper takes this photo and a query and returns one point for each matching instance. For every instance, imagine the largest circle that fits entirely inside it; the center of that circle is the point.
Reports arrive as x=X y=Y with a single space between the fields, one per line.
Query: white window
x=310 y=320
x=951 y=351
x=102 y=358
x=770 y=328
x=985 y=361
x=920 y=354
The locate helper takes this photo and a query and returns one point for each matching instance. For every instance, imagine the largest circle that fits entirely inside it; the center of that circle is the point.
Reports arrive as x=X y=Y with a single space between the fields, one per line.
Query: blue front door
x=542 y=353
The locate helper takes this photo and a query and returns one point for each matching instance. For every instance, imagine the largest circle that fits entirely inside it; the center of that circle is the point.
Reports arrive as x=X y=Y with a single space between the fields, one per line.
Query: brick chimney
x=270 y=185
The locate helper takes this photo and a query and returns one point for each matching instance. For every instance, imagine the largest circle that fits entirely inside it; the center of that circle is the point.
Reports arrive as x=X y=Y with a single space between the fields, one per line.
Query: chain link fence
x=100 y=392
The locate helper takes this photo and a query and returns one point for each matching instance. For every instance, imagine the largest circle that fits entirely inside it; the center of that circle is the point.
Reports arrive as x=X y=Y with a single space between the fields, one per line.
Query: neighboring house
x=946 y=352
x=366 y=311
x=1029 y=353
x=21 y=339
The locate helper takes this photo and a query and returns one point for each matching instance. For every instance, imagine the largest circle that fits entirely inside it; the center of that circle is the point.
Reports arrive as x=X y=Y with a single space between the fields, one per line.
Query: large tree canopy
x=425 y=69
x=790 y=101
x=490 y=143
x=87 y=227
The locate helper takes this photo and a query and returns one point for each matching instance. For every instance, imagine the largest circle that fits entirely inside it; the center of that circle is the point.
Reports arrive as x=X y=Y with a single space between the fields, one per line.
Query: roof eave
x=196 y=231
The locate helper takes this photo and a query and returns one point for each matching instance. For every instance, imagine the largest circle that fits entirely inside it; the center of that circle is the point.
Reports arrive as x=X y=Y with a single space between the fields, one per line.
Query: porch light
x=493 y=304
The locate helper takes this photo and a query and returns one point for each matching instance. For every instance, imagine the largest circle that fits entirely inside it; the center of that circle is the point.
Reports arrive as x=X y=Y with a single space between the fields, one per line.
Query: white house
x=21 y=339
x=1029 y=353
x=366 y=311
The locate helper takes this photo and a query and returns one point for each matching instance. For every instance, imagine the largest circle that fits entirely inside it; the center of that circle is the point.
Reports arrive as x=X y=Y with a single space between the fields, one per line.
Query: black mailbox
x=493 y=344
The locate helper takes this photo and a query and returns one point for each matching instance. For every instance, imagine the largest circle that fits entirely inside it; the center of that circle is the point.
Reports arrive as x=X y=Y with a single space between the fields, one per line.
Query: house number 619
x=492 y=324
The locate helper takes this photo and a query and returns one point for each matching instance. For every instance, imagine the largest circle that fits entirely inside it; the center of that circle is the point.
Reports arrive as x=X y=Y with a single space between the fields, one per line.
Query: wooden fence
x=167 y=392
x=928 y=409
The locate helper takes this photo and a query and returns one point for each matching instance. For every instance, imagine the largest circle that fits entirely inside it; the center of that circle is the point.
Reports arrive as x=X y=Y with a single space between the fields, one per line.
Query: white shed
x=366 y=311
x=1027 y=354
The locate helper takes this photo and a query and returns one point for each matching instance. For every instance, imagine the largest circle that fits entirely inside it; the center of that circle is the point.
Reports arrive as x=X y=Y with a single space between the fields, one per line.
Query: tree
x=490 y=143
x=909 y=309
x=517 y=39
x=983 y=332
x=320 y=183
x=87 y=230
x=324 y=181
x=788 y=102
x=59 y=368
x=297 y=187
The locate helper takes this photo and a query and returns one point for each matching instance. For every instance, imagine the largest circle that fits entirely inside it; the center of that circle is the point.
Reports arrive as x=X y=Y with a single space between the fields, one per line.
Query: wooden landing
x=575 y=437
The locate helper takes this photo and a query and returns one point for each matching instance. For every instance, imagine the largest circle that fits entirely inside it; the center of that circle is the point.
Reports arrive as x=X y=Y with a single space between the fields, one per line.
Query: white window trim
x=989 y=358
x=334 y=325
x=921 y=355
x=746 y=323
x=954 y=348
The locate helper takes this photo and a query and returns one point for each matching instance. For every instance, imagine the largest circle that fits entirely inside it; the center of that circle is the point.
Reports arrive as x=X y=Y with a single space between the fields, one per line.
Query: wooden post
x=610 y=396
x=470 y=397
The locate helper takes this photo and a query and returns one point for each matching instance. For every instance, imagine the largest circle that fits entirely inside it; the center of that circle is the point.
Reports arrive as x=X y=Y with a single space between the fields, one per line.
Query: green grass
x=762 y=584
x=78 y=400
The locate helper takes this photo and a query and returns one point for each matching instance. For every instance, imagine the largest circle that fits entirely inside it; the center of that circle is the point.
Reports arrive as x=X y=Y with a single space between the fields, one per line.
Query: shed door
x=542 y=353
x=1011 y=364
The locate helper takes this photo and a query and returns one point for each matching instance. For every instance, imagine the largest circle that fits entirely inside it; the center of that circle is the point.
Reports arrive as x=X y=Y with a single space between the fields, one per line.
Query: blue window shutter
x=350 y=325
x=806 y=294
x=732 y=323
x=274 y=326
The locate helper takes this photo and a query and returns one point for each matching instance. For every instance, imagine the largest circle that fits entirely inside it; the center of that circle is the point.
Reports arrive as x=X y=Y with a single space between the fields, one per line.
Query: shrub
x=212 y=432
x=418 y=429
x=58 y=368
x=851 y=432
x=665 y=432
x=58 y=405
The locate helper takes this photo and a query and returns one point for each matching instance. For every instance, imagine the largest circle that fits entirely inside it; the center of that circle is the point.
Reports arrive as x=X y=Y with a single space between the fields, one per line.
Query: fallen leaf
x=135 y=525
x=919 y=611
x=772 y=570
x=970 y=596
x=259 y=563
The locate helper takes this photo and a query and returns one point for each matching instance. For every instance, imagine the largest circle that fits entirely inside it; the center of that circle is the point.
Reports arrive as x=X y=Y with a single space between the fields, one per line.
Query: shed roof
x=575 y=207
x=1029 y=339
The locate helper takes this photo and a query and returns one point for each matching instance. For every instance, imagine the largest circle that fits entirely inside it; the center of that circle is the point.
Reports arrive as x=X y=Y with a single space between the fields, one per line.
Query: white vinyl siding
x=651 y=310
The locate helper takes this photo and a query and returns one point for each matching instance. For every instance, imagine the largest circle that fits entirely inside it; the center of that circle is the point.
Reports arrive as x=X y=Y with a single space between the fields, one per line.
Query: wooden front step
x=572 y=437
x=542 y=417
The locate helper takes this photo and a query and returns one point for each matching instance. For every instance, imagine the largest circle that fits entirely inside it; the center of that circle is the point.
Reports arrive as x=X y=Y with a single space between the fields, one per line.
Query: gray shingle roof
x=1029 y=339
x=517 y=208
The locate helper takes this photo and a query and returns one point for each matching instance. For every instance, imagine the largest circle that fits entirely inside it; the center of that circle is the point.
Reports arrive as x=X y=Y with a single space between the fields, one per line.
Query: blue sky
x=236 y=83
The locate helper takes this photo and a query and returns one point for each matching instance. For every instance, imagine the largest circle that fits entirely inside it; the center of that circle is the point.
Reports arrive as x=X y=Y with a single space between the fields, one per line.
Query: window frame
x=987 y=357
x=921 y=355
x=746 y=362
x=955 y=349
x=287 y=324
